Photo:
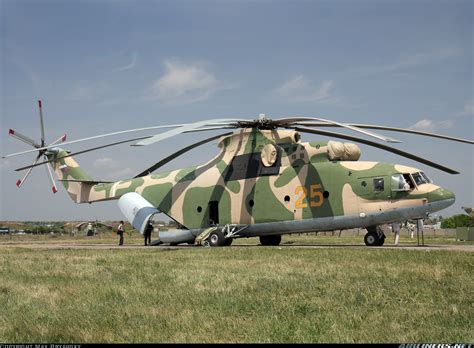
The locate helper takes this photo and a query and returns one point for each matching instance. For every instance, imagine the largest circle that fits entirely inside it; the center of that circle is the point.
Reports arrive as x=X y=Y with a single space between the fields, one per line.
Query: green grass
x=271 y=294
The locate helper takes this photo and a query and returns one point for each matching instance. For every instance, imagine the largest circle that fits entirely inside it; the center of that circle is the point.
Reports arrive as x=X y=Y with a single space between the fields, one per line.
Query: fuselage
x=269 y=177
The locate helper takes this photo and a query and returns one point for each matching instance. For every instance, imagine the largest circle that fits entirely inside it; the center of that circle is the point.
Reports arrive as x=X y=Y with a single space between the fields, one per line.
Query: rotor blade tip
x=18 y=183
x=63 y=139
x=11 y=131
x=39 y=103
x=55 y=189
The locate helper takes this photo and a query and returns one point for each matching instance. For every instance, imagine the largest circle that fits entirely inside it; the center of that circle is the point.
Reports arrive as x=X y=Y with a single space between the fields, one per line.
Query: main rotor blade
x=21 y=181
x=393 y=129
x=23 y=138
x=178 y=153
x=80 y=152
x=184 y=128
x=54 y=188
x=377 y=145
x=289 y=121
x=108 y=135
x=209 y=128
x=92 y=138
x=41 y=122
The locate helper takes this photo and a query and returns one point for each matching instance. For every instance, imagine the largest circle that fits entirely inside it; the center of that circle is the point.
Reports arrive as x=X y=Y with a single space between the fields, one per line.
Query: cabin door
x=213 y=213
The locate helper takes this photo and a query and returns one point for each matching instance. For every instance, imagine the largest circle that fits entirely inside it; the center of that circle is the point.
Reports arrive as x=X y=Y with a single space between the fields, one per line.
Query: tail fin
x=77 y=182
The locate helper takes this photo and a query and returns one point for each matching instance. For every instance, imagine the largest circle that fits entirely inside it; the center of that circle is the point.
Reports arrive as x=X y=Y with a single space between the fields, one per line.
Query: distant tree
x=460 y=220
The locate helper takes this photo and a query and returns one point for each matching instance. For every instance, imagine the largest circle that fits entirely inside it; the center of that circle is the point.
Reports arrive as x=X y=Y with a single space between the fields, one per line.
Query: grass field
x=254 y=294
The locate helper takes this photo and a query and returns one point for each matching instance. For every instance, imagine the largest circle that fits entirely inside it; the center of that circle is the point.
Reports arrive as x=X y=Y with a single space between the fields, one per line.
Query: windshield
x=426 y=177
x=421 y=178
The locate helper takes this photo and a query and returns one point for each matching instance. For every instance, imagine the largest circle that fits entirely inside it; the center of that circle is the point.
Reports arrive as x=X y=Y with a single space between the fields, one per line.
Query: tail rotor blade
x=54 y=188
x=61 y=139
x=22 y=181
x=22 y=137
x=41 y=122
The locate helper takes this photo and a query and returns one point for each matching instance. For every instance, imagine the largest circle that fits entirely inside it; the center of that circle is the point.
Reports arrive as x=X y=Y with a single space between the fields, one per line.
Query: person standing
x=90 y=231
x=120 y=231
x=148 y=230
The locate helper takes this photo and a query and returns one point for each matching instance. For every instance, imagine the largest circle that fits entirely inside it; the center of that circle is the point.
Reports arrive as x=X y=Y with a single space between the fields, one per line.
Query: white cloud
x=110 y=169
x=124 y=173
x=131 y=65
x=300 y=89
x=106 y=162
x=430 y=126
x=88 y=91
x=411 y=61
x=183 y=84
x=468 y=109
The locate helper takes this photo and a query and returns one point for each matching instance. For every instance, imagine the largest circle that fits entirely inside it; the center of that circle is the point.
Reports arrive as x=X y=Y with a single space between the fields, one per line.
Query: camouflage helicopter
x=264 y=182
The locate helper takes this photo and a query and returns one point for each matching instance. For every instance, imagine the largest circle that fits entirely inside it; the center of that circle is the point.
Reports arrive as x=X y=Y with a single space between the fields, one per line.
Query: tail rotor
x=43 y=153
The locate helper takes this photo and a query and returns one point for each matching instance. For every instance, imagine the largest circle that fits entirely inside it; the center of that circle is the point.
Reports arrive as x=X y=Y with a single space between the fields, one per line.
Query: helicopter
x=264 y=182
x=91 y=227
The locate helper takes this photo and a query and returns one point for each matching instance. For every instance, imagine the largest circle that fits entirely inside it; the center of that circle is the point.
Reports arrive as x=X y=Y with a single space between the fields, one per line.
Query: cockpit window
x=409 y=180
x=426 y=177
x=399 y=182
x=406 y=182
x=378 y=184
x=419 y=179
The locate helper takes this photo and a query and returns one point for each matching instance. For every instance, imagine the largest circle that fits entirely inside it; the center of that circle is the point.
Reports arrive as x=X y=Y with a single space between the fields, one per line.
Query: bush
x=458 y=221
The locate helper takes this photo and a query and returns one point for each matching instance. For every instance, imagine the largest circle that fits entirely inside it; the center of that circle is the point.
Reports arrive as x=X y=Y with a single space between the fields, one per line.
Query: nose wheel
x=374 y=236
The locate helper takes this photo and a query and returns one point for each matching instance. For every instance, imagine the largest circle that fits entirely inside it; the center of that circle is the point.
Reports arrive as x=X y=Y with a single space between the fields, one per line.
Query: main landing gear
x=216 y=236
x=374 y=236
x=270 y=240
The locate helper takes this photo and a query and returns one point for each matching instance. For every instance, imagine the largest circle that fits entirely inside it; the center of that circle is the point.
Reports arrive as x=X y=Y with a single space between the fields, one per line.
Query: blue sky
x=103 y=66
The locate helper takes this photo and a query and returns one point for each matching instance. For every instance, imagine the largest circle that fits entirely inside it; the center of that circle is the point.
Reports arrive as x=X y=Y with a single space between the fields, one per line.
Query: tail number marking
x=316 y=196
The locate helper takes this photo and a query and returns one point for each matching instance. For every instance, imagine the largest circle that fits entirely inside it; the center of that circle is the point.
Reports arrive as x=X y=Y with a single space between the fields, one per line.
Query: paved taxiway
x=52 y=246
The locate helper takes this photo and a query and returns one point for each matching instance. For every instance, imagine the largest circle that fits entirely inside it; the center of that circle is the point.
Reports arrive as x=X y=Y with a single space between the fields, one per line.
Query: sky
x=104 y=66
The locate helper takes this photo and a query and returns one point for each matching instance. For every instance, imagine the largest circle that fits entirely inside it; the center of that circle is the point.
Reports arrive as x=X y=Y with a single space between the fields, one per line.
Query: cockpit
x=408 y=181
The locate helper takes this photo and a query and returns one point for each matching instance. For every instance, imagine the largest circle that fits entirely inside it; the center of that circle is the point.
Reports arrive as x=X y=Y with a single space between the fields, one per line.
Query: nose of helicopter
x=442 y=194
x=441 y=198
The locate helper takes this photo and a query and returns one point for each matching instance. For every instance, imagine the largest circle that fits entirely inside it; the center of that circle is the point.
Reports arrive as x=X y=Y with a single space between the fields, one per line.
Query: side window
x=378 y=185
x=400 y=183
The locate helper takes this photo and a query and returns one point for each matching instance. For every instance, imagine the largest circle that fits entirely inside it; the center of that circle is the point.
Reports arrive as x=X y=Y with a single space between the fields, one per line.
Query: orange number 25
x=316 y=197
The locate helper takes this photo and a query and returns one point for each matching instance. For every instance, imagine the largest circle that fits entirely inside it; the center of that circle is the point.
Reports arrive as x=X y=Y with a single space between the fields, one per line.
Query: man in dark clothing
x=120 y=231
x=148 y=230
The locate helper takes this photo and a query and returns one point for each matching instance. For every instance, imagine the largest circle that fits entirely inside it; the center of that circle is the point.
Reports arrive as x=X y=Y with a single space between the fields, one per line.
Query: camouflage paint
x=306 y=186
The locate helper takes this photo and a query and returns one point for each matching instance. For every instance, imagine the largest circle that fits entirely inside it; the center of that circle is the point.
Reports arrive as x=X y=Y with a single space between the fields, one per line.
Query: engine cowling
x=137 y=210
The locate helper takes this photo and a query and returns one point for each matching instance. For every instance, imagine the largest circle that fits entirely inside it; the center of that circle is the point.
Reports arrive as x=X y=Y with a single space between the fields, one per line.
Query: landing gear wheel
x=372 y=239
x=228 y=241
x=270 y=240
x=216 y=238
x=374 y=236
x=382 y=240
